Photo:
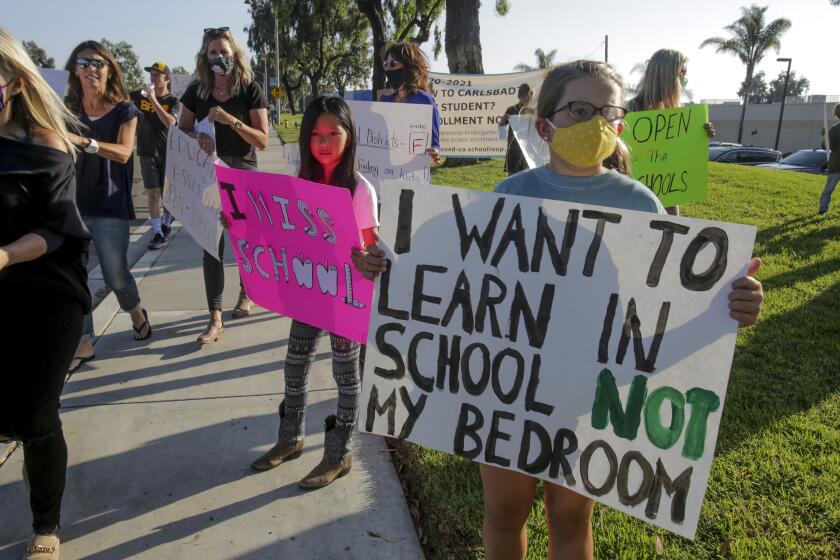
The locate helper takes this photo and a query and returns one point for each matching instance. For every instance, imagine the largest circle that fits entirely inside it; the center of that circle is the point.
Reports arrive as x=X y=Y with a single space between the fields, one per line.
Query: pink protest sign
x=293 y=239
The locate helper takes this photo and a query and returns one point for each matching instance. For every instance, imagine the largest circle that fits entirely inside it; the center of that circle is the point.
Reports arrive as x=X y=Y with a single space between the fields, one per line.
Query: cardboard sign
x=584 y=345
x=191 y=194
x=293 y=241
x=669 y=149
x=471 y=107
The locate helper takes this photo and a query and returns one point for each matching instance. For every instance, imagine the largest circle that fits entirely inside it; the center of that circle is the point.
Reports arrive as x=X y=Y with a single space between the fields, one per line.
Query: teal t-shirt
x=610 y=189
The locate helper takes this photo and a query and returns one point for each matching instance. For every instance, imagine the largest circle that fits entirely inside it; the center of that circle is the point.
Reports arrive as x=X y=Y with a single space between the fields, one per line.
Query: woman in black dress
x=43 y=280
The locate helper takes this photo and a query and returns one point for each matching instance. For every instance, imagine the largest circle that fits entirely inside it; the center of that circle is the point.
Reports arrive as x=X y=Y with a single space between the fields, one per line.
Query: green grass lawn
x=290 y=133
x=774 y=490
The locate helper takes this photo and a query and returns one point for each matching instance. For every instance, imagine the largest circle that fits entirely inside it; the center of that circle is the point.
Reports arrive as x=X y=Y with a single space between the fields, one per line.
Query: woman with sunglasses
x=407 y=72
x=104 y=173
x=225 y=93
x=662 y=87
x=43 y=280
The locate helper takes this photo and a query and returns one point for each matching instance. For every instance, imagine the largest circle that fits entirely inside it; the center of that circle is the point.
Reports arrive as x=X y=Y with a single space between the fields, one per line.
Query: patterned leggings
x=303 y=340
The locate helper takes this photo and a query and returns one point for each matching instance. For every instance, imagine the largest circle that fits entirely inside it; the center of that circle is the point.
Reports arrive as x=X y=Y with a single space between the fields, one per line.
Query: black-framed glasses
x=83 y=62
x=582 y=111
x=215 y=30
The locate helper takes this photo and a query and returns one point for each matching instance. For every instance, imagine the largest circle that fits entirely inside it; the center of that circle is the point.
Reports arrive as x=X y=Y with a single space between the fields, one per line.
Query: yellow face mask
x=584 y=144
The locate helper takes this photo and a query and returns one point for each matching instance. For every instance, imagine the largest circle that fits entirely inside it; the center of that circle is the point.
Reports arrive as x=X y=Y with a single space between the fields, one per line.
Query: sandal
x=215 y=331
x=42 y=547
x=139 y=330
x=78 y=361
x=243 y=305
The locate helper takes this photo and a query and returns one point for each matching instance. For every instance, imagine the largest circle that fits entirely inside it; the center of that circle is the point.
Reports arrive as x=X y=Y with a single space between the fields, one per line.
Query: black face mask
x=221 y=65
x=393 y=78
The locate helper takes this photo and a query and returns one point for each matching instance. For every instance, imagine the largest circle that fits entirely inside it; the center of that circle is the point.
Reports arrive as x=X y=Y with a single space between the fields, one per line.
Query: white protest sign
x=584 y=345
x=471 y=107
x=191 y=194
x=57 y=80
x=178 y=83
x=289 y=159
x=391 y=141
x=534 y=149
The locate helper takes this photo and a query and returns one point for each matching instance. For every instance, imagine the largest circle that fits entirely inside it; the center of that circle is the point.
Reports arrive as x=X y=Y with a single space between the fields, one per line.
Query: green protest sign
x=669 y=149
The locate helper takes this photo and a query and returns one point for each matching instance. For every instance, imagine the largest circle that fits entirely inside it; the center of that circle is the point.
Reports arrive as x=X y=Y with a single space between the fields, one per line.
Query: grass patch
x=291 y=133
x=773 y=490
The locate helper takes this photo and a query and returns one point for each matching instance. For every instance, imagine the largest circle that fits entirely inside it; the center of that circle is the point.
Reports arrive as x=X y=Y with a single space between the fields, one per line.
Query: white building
x=805 y=119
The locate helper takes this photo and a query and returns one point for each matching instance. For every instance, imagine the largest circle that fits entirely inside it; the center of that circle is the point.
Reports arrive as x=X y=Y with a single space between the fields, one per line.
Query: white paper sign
x=391 y=141
x=57 y=80
x=178 y=83
x=471 y=107
x=191 y=193
x=533 y=148
x=289 y=159
x=583 y=345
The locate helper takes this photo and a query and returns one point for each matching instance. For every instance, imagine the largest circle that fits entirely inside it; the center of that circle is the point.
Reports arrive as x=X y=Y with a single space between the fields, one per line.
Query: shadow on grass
x=787 y=365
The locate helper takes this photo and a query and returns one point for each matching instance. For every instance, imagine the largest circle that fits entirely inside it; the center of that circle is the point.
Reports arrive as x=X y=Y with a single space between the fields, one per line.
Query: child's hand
x=747 y=296
x=223 y=219
x=434 y=154
x=710 y=129
x=370 y=262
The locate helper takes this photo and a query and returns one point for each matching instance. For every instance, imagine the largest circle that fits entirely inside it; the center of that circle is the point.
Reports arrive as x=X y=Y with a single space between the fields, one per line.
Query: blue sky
x=171 y=30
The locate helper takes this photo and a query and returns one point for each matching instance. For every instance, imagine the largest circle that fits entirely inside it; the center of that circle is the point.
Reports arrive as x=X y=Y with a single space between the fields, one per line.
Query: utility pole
x=606 y=48
x=276 y=60
x=784 y=95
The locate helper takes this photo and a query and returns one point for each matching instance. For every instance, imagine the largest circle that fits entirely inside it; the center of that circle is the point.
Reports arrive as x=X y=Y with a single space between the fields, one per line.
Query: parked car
x=727 y=144
x=743 y=155
x=803 y=161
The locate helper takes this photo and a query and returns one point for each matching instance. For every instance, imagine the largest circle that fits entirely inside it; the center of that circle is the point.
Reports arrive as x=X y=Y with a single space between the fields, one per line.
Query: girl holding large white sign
x=327 y=135
x=580 y=114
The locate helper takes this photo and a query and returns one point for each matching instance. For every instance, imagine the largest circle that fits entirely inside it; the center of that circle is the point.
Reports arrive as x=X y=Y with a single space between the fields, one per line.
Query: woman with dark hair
x=225 y=93
x=104 y=172
x=328 y=156
x=43 y=281
x=407 y=72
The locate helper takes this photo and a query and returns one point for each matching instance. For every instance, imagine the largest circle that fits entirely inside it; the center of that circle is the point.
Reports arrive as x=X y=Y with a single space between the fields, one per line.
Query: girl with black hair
x=329 y=132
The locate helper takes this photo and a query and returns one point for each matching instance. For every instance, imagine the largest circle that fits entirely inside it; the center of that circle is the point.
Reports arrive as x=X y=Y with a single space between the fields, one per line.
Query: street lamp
x=784 y=95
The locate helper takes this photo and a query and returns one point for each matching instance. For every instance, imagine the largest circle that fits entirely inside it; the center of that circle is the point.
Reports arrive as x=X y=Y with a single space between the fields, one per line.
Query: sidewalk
x=161 y=434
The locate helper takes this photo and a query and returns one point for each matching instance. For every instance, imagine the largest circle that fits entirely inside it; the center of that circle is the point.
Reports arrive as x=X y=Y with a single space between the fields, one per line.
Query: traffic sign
x=277 y=92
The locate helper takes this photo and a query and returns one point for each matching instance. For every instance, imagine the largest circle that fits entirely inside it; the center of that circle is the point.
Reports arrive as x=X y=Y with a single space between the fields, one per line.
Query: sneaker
x=158 y=242
x=166 y=231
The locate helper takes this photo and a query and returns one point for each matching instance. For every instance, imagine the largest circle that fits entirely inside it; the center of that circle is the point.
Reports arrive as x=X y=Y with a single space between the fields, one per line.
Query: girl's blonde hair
x=660 y=87
x=37 y=106
x=241 y=77
x=554 y=86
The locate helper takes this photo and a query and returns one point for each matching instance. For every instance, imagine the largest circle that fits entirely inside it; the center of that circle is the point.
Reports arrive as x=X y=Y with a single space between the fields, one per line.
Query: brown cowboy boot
x=337 y=460
x=288 y=446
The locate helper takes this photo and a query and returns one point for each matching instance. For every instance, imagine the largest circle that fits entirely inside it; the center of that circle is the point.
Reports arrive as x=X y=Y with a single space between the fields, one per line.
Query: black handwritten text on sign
x=586 y=346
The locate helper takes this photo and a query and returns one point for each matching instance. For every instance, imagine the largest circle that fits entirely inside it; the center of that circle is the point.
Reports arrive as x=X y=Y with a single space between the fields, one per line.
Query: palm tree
x=544 y=60
x=749 y=40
